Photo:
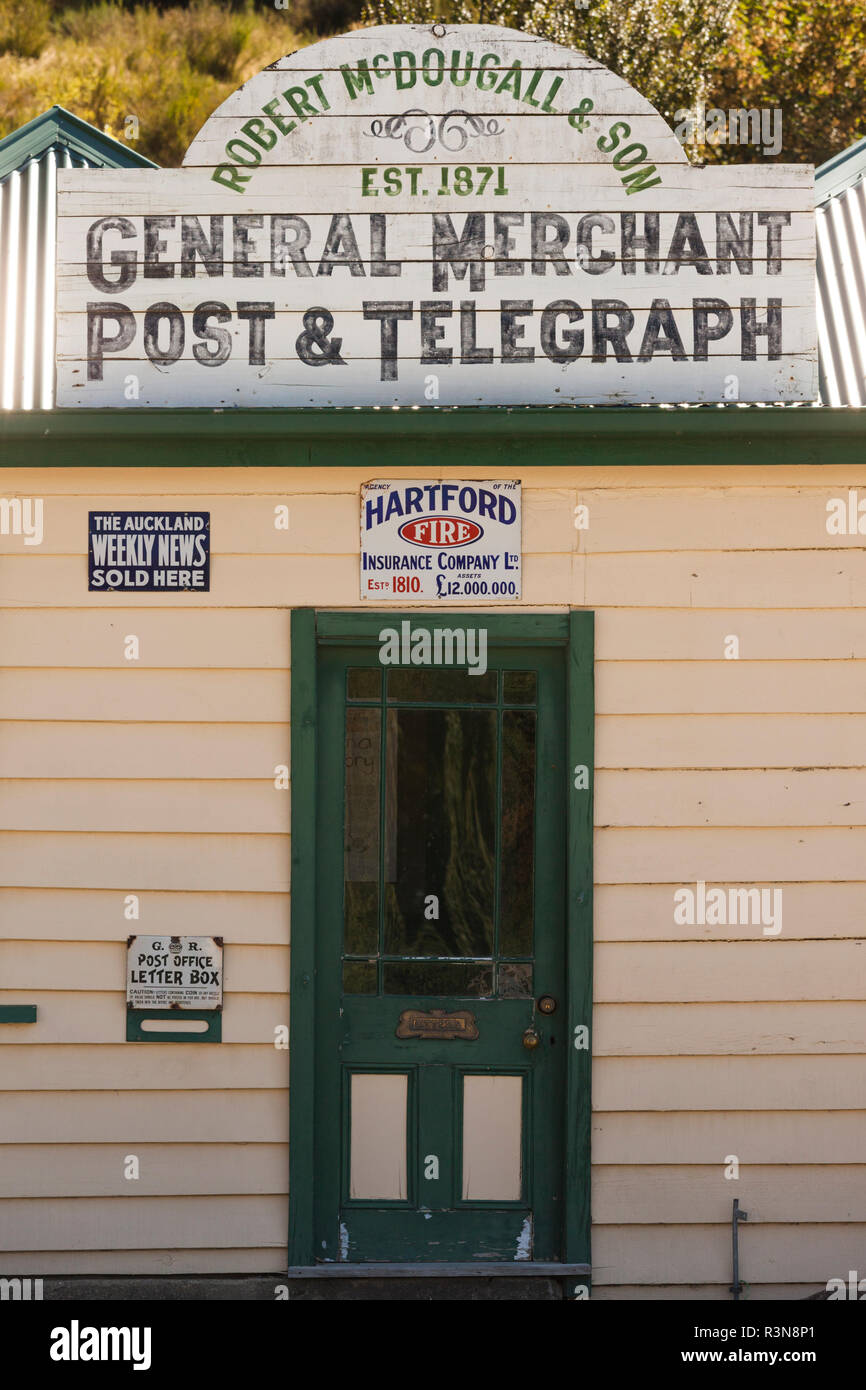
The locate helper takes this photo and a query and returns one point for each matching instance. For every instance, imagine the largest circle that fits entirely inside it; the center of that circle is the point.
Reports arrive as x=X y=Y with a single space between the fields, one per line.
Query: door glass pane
x=361 y=853
x=378 y=1136
x=439 y=832
x=519 y=687
x=364 y=682
x=472 y=978
x=492 y=1125
x=518 y=819
x=437 y=685
x=515 y=981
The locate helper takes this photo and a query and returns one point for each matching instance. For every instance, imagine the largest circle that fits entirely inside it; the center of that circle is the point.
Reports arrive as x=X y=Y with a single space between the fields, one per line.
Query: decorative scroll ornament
x=420 y=131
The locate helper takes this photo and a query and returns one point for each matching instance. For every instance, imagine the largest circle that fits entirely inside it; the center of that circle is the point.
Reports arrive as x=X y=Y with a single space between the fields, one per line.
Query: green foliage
x=170 y=63
x=664 y=48
x=25 y=28
x=806 y=58
x=317 y=17
x=169 y=68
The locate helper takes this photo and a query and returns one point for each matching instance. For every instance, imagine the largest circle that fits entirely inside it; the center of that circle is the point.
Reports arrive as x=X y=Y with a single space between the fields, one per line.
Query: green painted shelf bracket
x=17 y=1013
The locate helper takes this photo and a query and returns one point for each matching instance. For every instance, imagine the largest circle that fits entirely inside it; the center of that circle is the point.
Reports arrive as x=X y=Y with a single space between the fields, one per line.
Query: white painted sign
x=440 y=540
x=163 y=972
x=460 y=215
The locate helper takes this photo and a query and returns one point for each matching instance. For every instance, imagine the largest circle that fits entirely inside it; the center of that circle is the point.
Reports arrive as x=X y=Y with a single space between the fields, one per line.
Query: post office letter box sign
x=440 y=540
x=168 y=972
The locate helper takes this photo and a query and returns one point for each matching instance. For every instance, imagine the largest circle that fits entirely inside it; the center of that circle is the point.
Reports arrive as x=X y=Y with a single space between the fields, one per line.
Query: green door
x=441 y=1026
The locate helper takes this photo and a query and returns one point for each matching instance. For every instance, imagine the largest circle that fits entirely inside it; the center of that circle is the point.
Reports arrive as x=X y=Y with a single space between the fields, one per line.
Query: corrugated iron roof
x=840 y=186
x=29 y=160
x=841 y=171
x=30 y=157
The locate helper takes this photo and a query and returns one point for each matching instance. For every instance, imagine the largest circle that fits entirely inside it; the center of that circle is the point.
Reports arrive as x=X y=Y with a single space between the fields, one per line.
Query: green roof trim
x=493 y=437
x=840 y=172
x=58 y=127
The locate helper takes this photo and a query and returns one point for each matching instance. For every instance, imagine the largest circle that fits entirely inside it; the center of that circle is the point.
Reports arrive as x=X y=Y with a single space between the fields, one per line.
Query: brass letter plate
x=437 y=1024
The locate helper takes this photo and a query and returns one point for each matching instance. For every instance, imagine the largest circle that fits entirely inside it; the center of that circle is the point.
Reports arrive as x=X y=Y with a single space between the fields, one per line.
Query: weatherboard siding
x=156 y=777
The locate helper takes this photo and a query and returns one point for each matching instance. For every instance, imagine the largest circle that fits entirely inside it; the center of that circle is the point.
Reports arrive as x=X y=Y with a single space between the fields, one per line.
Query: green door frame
x=574 y=631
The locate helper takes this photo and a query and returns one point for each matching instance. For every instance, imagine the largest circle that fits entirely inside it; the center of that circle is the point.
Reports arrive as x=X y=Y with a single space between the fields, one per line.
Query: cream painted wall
x=156 y=777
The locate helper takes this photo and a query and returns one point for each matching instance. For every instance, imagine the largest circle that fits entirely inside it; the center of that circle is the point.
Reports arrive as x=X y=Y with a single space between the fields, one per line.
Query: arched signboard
x=459 y=215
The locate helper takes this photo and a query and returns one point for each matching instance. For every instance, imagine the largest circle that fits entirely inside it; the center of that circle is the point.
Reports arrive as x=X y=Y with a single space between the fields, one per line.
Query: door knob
x=531 y=1039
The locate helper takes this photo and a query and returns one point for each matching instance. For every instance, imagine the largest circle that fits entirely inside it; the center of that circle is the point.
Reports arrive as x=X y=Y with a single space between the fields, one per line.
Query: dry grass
x=170 y=65
x=169 y=69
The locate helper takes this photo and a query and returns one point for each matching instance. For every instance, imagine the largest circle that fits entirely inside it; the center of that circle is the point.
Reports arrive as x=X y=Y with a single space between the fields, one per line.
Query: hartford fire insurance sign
x=440 y=540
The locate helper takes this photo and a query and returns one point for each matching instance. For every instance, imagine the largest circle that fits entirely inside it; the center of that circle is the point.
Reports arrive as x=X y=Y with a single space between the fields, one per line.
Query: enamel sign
x=440 y=540
x=183 y=972
x=148 y=552
x=416 y=216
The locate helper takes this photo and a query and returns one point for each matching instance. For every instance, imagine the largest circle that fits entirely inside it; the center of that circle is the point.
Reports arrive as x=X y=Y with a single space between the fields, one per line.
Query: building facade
x=540 y=942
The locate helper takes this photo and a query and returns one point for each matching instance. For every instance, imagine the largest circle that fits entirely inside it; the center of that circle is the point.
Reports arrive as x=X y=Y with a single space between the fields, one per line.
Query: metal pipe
x=736 y=1217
